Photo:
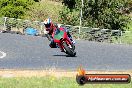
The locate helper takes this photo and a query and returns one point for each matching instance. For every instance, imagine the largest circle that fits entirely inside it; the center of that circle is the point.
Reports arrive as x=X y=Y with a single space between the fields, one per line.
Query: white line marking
x=3 y=54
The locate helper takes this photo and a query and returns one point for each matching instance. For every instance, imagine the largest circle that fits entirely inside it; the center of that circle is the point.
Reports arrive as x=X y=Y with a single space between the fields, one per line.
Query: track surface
x=30 y=52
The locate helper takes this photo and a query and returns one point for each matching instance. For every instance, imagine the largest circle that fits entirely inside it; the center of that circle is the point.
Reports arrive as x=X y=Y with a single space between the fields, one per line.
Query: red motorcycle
x=61 y=38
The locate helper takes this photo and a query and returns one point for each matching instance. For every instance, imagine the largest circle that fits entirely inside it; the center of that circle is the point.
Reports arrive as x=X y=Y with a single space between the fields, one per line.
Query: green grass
x=44 y=9
x=129 y=26
x=52 y=82
x=127 y=36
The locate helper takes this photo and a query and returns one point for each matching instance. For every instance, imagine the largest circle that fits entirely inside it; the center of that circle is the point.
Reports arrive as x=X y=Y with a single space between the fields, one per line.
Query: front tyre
x=73 y=46
x=69 y=50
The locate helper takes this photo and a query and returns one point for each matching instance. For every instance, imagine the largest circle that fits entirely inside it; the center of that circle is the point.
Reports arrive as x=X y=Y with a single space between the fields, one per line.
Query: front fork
x=67 y=41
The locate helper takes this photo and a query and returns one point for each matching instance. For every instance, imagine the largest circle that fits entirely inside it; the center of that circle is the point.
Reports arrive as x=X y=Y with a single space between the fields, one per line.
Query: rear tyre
x=69 y=50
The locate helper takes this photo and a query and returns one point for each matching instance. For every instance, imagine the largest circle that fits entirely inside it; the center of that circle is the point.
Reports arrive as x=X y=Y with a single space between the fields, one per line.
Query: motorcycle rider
x=50 y=27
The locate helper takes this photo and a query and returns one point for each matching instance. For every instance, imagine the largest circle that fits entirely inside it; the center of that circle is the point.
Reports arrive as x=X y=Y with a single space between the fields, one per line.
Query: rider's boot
x=53 y=44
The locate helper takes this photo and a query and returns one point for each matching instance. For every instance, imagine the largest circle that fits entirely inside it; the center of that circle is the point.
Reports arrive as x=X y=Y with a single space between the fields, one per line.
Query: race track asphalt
x=31 y=52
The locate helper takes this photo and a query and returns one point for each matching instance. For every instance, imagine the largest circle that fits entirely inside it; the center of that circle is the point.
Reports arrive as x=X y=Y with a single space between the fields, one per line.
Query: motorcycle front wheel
x=69 y=50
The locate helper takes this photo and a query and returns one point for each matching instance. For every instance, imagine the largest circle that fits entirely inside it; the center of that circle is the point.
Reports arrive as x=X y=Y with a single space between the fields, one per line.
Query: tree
x=105 y=14
x=36 y=0
x=69 y=3
x=70 y=12
x=102 y=13
x=14 y=8
x=41 y=11
x=69 y=17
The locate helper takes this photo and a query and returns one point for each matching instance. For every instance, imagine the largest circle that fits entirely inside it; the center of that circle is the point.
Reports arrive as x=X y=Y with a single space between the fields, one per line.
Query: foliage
x=69 y=17
x=103 y=13
x=14 y=8
x=37 y=0
x=69 y=3
x=127 y=38
x=129 y=26
x=56 y=0
x=41 y=11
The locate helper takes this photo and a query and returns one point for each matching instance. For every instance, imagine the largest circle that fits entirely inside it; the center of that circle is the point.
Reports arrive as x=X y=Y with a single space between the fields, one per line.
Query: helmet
x=48 y=23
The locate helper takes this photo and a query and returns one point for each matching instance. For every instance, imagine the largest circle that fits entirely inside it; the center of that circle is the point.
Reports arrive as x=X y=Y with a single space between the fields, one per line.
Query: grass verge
x=52 y=82
x=51 y=79
x=127 y=38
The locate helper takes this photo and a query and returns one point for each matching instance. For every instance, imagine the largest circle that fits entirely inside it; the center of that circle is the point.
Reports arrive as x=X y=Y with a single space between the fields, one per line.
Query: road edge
x=57 y=73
